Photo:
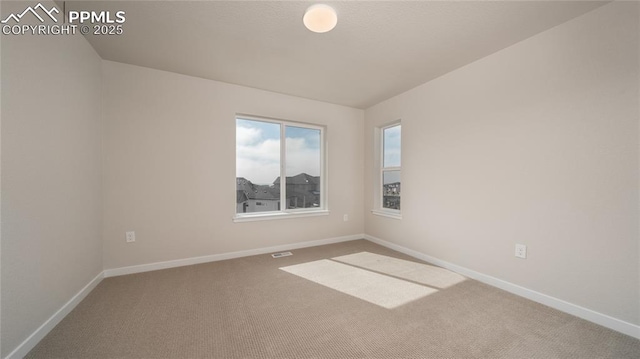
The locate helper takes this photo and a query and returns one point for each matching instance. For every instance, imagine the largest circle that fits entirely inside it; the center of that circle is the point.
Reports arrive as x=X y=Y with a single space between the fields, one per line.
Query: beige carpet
x=248 y=308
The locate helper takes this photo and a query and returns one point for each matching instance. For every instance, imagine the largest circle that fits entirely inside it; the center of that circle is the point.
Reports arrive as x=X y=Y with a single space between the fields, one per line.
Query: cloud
x=267 y=173
x=247 y=135
x=302 y=157
x=392 y=146
x=258 y=157
x=258 y=161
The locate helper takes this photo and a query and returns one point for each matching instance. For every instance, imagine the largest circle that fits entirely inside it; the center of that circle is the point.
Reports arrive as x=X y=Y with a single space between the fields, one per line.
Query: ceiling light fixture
x=320 y=18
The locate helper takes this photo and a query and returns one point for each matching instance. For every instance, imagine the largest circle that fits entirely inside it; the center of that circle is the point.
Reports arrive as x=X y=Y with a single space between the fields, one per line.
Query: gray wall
x=536 y=144
x=169 y=167
x=51 y=191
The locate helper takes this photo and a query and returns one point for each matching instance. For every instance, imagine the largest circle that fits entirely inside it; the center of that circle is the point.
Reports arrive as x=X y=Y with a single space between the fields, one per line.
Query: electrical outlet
x=345 y=217
x=521 y=251
x=131 y=236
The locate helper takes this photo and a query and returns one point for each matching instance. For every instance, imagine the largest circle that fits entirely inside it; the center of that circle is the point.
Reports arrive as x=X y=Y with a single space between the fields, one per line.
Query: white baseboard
x=45 y=328
x=559 y=304
x=223 y=256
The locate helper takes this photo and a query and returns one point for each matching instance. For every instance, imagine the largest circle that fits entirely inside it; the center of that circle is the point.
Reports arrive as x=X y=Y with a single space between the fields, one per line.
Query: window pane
x=391 y=147
x=257 y=166
x=391 y=189
x=303 y=163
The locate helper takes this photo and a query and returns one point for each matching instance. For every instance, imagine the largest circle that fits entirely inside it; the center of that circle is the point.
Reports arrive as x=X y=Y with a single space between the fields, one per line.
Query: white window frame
x=284 y=213
x=380 y=170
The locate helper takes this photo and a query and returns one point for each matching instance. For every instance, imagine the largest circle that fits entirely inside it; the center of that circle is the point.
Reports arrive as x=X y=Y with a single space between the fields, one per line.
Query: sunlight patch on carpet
x=379 y=289
x=417 y=272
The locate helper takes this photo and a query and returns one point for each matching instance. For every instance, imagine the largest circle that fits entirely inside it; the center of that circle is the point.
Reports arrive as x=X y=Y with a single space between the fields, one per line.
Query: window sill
x=278 y=215
x=388 y=214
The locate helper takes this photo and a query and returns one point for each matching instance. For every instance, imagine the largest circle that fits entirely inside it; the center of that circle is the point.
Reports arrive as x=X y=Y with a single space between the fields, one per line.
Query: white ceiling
x=377 y=50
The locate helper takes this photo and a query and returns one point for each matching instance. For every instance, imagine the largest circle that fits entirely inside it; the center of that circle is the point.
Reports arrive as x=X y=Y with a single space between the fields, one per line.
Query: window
x=279 y=168
x=389 y=184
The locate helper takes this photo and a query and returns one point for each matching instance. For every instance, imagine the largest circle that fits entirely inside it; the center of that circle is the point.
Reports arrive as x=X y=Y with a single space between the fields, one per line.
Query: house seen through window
x=279 y=166
x=391 y=167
